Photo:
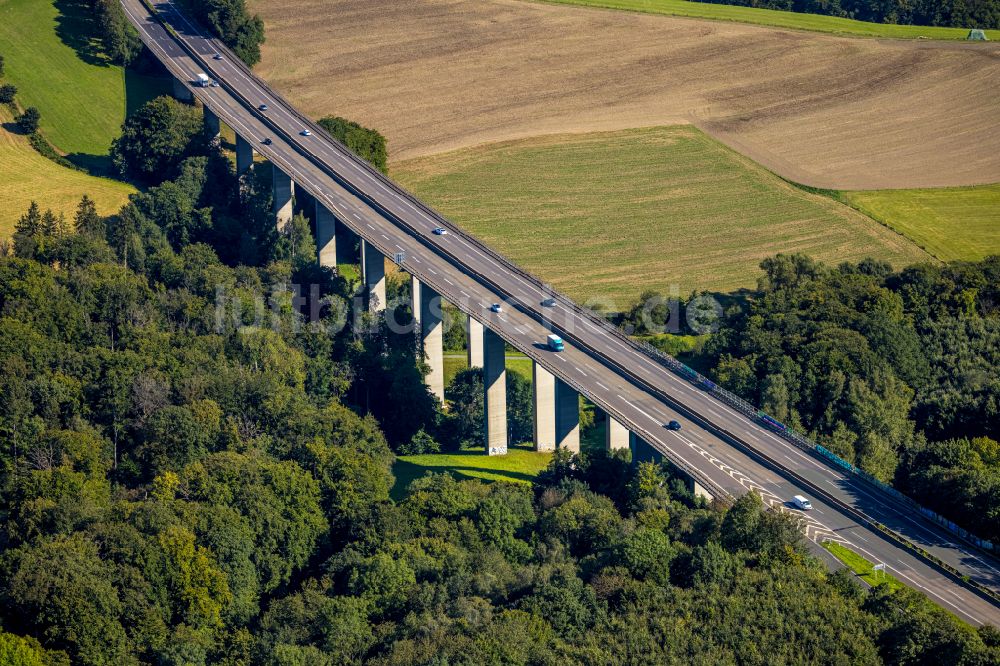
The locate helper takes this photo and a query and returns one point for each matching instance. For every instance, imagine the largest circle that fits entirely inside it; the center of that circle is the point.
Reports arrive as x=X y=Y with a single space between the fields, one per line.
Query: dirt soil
x=832 y=112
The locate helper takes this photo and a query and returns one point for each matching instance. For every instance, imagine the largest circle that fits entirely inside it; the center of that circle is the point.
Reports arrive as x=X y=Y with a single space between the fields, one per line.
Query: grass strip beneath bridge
x=775 y=18
x=521 y=465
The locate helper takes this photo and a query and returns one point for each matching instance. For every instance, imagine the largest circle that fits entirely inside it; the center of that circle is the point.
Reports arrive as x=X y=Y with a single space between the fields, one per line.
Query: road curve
x=723 y=449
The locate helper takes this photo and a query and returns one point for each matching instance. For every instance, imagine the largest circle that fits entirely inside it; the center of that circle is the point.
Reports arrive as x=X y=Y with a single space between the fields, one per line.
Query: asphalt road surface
x=724 y=450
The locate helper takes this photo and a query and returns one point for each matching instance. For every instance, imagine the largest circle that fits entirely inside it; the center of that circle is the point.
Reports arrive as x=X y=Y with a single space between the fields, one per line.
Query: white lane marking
x=644 y=413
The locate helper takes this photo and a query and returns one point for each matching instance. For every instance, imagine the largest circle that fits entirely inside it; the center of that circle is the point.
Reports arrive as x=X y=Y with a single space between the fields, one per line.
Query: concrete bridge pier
x=699 y=490
x=348 y=244
x=427 y=302
x=474 y=340
x=373 y=274
x=616 y=436
x=326 y=235
x=416 y=298
x=282 y=190
x=212 y=125
x=181 y=92
x=543 y=385
x=567 y=413
x=495 y=393
x=244 y=155
x=643 y=452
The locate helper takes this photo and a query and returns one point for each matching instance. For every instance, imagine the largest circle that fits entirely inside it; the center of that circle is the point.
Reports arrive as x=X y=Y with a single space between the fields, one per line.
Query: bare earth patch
x=826 y=111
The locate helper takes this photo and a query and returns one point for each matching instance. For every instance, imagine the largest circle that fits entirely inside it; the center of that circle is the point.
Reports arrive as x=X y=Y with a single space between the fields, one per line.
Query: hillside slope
x=611 y=214
x=80 y=95
x=26 y=176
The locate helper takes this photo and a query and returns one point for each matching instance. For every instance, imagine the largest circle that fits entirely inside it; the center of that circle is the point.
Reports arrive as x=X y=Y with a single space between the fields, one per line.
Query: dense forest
x=195 y=469
x=956 y=13
x=896 y=371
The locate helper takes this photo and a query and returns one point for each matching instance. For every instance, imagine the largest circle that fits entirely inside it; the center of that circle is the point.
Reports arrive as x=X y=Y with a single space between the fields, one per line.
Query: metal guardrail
x=696 y=378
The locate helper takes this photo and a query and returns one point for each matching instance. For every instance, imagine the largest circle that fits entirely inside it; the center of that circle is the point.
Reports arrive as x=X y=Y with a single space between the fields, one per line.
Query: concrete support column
x=212 y=124
x=700 y=491
x=181 y=92
x=347 y=245
x=431 y=335
x=616 y=436
x=474 y=338
x=282 y=189
x=416 y=298
x=244 y=155
x=373 y=273
x=495 y=393
x=326 y=236
x=543 y=385
x=642 y=451
x=567 y=417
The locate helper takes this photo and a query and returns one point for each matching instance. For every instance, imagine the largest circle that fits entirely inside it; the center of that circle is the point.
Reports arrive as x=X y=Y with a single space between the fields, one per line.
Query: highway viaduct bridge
x=722 y=448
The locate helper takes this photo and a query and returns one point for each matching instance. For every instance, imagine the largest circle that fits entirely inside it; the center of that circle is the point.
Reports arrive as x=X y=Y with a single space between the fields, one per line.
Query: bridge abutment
x=495 y=393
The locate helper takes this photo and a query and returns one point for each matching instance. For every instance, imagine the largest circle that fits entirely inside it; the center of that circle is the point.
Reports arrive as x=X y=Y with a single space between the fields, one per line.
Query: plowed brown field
x=842 y=113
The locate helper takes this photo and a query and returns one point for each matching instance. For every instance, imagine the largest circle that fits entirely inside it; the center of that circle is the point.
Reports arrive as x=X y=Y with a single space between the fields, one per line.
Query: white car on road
x=802 y=503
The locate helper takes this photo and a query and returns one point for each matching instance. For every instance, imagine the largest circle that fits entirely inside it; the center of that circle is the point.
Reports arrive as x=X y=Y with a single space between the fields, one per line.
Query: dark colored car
x=267 y=141
x=673 y=425
x=262 y=107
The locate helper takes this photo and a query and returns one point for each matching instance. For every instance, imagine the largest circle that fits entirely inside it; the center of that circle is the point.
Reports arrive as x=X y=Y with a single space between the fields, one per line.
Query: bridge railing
x=781 y=430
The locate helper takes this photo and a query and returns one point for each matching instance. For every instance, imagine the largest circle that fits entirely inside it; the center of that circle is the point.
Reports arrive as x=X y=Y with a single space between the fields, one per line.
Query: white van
x=203 y=80
x=802 y=503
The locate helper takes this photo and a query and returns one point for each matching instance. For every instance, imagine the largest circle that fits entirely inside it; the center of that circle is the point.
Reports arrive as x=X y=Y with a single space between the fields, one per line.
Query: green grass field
x=950 y=223
x=25 y=176
x=457 y=361
x=80 y=96
x=778 y=19
x=861 y=566
x=609 y=214
x=520 y=465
